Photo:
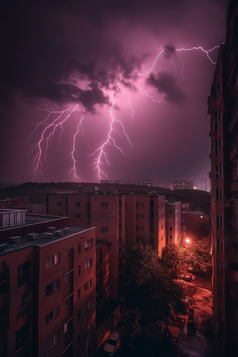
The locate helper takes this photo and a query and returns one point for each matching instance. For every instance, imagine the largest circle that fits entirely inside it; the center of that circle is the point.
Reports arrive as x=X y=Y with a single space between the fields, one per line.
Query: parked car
x=187 y=277
x=112 y=344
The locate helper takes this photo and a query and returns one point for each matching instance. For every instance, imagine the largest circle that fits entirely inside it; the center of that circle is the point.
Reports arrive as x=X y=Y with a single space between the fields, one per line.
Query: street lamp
x=187 y=240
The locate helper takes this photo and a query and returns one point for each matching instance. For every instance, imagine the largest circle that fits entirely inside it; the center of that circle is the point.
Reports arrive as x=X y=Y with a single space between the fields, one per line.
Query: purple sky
x=87 y=56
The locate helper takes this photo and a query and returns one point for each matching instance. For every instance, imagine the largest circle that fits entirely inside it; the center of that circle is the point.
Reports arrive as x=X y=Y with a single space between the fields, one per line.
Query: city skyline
x=95 y=65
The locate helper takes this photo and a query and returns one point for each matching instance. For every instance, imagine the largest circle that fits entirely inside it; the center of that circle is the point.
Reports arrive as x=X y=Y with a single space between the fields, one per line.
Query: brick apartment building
x=47 y=291
x=106 y=212
x=145 y=220
x=121 y=219
x=223 y=109
x=173 y=217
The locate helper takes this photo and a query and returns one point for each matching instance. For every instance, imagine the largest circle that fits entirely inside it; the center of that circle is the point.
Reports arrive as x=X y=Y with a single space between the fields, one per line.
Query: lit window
x=88 y=264
x=53 y=260
x=88 y=243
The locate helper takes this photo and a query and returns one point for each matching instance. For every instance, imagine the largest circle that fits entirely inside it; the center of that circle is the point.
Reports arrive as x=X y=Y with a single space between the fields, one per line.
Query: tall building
x=47 y=291
x=145 y=220
x=173 y=216
x=223 y=110
x=106 y=212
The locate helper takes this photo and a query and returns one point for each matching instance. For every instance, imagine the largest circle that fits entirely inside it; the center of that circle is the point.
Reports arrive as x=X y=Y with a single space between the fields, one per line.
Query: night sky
x=67 y=68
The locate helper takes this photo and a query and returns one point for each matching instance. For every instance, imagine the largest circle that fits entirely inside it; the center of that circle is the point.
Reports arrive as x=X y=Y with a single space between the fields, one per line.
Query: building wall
x=172 y=212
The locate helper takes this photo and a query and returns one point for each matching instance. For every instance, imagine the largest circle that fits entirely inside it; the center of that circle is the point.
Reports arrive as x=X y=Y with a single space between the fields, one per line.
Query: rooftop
x=50 y=236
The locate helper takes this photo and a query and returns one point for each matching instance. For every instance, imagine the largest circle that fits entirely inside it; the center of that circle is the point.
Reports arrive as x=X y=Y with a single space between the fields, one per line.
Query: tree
x=150 y=288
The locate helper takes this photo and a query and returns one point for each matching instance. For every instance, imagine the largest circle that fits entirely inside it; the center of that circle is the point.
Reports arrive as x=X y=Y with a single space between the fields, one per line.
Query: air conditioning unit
x=32 y=236
x=47 y=235
x=14 y=240
x=59 y=233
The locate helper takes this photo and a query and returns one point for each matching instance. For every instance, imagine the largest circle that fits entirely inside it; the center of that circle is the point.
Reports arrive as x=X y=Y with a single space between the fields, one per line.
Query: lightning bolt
x=181 y=50
x=72 y=154
x=102 y=153
x=49 y=131
x=129 y=102
x=55 y=120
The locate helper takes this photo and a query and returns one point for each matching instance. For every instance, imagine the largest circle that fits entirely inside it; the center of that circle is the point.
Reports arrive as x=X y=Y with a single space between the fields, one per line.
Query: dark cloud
x=166 y=83
x=169 y=51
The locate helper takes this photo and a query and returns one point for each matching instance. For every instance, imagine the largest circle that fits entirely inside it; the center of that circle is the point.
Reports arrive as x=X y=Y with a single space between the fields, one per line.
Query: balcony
x=234 y=152
x=234 y=293
x=4 y=318
x=234 y=121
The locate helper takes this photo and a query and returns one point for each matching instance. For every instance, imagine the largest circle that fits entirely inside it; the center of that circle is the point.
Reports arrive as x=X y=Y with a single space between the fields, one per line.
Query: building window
x=162 y=226
x=53 y=260
x=79 y=269
x=141 y=228
x=22 y=336
x=78 y=339
x=79 y=249
x=88 y=243
x=141 y=205
x=221 y=245
x=170 y=237
x=52 y=343
x=23 y=273
x=162 y=215
x=137 y=205
x=88 y=285
x=104 y=229
x=170 y=228
x=170 y=212
x=103 y=217
x=79 y=315
x=220 y=291
x=216 y=147
x=103 y=205
x=219 y=144
x=219 y=221
x=58 y=204
x=51 y=288
x=79 y=292
x=77 y=215
x=162 y=237
x=89 y=305
x=141 y=216
x=77 y=204
x=88 y=264
x=219 y=194
x=23 y=305
x=52 y=315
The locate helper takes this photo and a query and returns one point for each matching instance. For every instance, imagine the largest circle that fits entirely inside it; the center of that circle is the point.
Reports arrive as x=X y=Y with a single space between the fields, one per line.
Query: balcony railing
x=4 y=322
x=234 y=152
x=234 y=121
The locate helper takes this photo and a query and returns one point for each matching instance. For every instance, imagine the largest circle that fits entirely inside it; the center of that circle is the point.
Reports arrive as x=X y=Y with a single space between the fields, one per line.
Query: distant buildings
x=223 y=110
x=180 y=185
x=146 y=183
x=204 y=185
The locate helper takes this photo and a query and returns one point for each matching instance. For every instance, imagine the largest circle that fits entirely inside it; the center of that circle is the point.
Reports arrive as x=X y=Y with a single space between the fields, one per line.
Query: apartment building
x=106 y=212
x=223 y=109
x=172 y=215
x=145 y=220
x=180 y=185
x=103 y=261
x=48 y=293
